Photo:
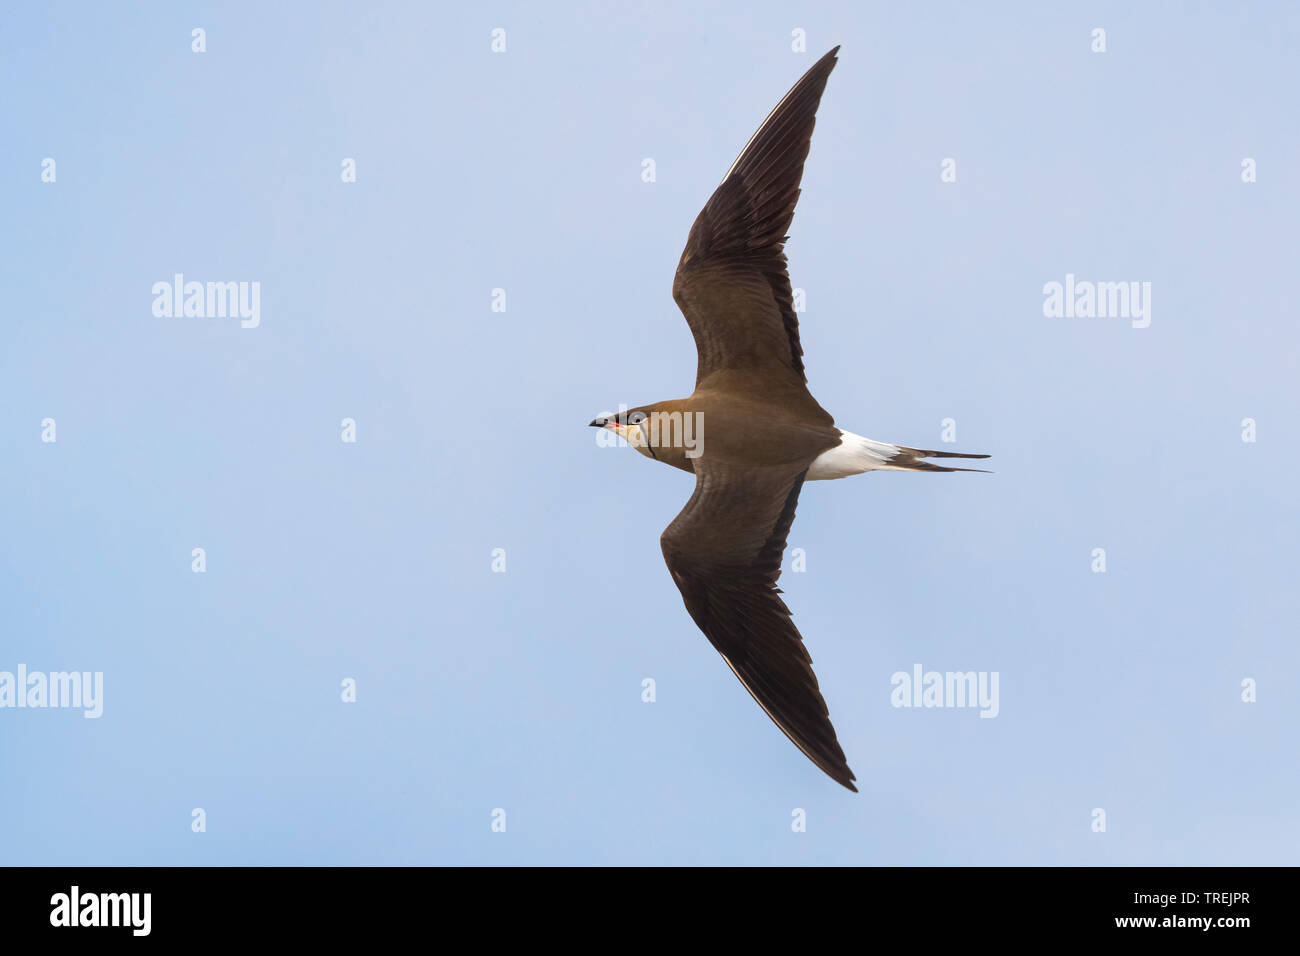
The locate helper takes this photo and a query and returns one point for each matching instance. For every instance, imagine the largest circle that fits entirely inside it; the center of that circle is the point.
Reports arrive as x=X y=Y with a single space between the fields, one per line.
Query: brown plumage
x=765 y=432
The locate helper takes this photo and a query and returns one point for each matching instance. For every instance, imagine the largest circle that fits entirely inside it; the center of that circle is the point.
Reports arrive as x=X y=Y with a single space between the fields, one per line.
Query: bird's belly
x=852 y=456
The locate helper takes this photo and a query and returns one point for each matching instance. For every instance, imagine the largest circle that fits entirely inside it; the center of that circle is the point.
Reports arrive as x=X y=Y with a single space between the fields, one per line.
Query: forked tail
x=909 y=459
x=855 y=454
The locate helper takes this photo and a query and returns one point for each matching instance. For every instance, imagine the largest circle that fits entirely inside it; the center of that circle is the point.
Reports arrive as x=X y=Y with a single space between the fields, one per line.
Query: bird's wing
x=731 y=283
x=724 y=552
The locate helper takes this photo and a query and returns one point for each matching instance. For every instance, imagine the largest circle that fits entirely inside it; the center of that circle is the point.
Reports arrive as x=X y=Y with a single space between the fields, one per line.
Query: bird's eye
x=636 y=418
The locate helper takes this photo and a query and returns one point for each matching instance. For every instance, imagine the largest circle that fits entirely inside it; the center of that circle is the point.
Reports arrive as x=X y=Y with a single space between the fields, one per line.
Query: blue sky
x=328 y=560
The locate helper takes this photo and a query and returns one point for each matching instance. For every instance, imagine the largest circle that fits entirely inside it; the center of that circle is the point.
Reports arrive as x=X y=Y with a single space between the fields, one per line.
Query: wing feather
x=724 y=553
x=732 y=282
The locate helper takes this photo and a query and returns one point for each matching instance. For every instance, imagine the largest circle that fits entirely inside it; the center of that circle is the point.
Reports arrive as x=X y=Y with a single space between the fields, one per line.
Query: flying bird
x=751 y=432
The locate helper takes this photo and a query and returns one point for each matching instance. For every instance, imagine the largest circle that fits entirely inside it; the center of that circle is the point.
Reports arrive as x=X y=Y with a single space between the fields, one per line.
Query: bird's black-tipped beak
x=599 y=423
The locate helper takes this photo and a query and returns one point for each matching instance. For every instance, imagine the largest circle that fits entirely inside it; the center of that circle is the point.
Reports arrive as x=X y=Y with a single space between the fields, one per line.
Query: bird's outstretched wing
x=724 y=552
x=731 y=283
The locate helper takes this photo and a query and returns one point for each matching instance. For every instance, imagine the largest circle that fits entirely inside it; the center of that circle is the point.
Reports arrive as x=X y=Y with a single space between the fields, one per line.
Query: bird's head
x=662 y=431
x=628 y=425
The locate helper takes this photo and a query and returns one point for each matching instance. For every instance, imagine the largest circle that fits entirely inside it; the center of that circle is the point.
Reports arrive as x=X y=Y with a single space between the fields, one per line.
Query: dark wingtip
x=839 y=771
x=830 y=57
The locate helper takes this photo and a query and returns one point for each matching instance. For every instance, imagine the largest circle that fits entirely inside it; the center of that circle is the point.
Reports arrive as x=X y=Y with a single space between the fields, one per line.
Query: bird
x=751 y=432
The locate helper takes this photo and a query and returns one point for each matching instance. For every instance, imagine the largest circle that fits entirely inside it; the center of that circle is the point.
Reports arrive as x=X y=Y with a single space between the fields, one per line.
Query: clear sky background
x=522 y=690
